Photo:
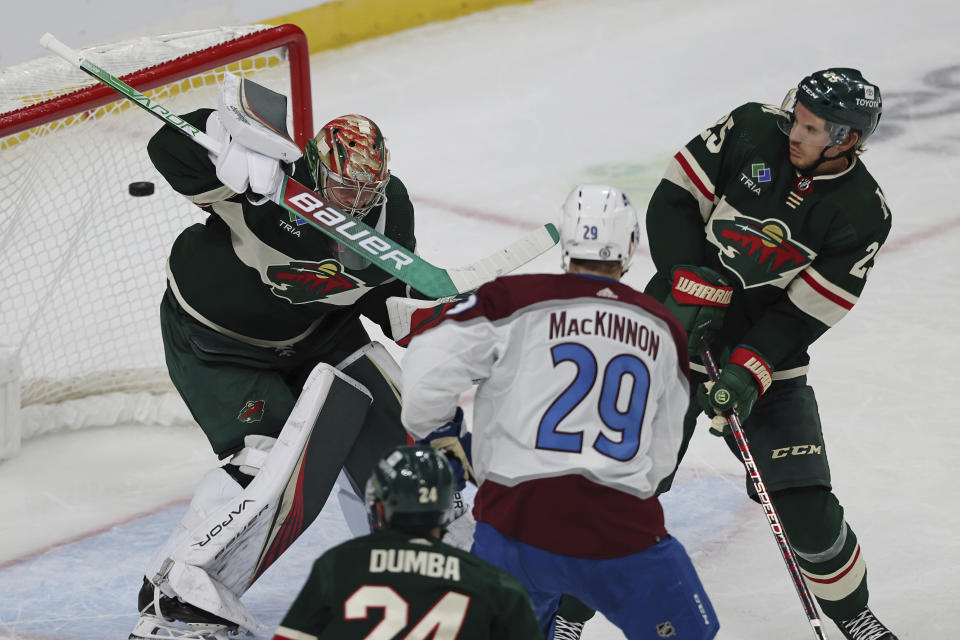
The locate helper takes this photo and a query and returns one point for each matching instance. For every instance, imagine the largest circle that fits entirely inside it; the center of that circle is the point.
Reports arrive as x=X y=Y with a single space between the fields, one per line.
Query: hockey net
x=83 y=261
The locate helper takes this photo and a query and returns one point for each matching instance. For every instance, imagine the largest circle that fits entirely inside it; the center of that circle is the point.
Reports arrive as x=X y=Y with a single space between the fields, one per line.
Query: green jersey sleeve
x=186 y=165
x=690 y=188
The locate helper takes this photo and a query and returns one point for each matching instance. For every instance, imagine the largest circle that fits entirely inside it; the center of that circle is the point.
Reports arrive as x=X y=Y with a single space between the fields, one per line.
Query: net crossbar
x=83 y=261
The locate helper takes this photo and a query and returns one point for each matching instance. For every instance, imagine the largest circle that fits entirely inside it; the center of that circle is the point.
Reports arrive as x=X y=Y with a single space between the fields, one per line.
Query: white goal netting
x=82 y=260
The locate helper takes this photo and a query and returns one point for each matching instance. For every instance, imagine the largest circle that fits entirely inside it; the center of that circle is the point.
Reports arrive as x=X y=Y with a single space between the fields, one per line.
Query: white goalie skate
x=185 y=621
x=151 y=627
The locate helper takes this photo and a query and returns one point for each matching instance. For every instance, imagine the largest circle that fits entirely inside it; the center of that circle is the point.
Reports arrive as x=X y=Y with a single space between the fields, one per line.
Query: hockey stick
x=307 y=204
x=786 y=551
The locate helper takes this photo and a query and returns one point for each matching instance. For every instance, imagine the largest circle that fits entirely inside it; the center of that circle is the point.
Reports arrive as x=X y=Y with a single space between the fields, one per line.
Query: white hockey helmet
x=598 y=223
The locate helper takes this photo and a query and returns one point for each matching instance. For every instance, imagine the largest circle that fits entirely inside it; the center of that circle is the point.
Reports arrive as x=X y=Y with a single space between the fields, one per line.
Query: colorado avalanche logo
x=759 y=251
x=302 y=282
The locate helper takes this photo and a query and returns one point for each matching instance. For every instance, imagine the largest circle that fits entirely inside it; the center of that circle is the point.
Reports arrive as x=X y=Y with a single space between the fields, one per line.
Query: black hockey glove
x=699 y=298
x=744 y=378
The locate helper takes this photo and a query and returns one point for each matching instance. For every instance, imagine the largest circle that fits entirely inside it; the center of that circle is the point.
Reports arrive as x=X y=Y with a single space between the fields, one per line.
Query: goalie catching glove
x=746 y=376
x=699 y=298
x=456 y=448
x=255 y=152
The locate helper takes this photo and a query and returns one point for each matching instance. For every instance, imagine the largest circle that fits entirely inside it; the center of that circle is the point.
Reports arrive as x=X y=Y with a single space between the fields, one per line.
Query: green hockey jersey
x=258 y=273
x=797 y=249
x=392 y=585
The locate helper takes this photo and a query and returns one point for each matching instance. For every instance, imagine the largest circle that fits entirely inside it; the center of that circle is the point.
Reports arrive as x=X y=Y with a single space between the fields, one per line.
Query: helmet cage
x=352 y=196
x=348 y=162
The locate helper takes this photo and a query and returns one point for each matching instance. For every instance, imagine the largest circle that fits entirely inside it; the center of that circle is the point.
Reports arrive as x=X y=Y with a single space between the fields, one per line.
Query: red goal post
x=82 y=260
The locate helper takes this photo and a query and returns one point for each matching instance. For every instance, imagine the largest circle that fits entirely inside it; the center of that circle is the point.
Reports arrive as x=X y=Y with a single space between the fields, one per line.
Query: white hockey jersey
x=579 y=410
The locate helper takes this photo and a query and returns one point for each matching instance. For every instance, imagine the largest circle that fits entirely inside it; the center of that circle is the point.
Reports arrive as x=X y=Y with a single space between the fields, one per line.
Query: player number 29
x=622 y=369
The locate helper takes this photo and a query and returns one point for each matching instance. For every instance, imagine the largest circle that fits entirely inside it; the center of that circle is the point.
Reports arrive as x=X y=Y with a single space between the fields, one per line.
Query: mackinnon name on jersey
x=606 y=324
x=427 y=563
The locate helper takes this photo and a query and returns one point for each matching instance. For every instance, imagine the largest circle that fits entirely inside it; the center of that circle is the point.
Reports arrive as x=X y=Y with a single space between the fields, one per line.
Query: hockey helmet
x=598 y=223
x=348 y=159
x=842 y=97
x=415 y=485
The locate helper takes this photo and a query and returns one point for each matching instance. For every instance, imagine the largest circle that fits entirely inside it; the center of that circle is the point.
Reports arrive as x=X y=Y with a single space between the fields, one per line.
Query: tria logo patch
x=302 y=282
x=252 y=411
x=759 y=251
x=760 y=172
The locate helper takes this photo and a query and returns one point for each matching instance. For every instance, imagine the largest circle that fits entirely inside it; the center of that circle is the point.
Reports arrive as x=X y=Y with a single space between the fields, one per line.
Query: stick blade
x=505 y=260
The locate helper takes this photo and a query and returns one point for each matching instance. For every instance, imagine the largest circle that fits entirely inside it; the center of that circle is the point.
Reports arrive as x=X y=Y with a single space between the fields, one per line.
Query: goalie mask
x=348 y=160
x=415 y=485
x=842 y=97
x=598 y=223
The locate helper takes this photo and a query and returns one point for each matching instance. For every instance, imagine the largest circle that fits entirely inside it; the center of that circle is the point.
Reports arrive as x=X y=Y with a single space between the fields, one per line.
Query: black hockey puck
x=140 y=189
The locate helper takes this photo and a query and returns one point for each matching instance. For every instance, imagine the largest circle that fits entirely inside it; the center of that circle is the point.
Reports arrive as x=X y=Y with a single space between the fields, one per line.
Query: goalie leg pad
x=236 y=543
x=216 y=488
x=374 y=367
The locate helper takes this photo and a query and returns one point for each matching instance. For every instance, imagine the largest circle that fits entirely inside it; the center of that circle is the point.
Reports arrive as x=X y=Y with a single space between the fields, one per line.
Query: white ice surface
x=491 y=119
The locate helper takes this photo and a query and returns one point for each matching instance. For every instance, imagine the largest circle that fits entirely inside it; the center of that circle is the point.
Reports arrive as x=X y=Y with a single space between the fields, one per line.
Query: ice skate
x=865 y=626
x=166 y=618
x=151 y=627
x=564 y=630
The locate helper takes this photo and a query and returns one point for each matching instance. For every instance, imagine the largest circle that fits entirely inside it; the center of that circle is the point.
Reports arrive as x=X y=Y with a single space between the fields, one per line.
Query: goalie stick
x=773 y=519
x=307 y=204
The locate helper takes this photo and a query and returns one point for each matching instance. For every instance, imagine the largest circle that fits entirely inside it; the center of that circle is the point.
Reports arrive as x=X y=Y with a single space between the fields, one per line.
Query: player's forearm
x=437 y=368
x=427 y=407
x=783 y=334
x=674 y=228
x=432 y=383
x=186 y=166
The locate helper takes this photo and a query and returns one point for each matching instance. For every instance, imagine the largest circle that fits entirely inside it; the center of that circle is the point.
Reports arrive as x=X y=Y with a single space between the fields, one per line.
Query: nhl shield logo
x=303 y=282
x=759 y=252
x=252 y=411
x=803 y=185
x=665 y=630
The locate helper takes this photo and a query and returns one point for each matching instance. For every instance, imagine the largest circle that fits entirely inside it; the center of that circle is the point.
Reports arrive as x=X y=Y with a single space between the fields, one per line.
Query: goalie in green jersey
x=763 y=231
x=401 y=581
x=262 y=334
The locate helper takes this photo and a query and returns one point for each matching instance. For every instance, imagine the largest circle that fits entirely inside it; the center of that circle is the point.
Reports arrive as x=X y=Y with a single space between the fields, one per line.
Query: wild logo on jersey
x=301 y=282
x=252 y=411
x=759 y=251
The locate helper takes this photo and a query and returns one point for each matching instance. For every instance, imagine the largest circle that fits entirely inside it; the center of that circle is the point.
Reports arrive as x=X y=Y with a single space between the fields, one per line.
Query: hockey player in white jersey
x=577 y=420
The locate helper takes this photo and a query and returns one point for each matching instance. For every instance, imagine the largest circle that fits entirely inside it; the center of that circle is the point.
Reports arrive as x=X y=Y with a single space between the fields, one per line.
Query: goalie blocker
x=220 y=549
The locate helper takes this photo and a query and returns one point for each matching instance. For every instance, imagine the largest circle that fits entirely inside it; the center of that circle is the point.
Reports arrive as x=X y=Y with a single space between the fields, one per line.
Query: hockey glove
x=745 y=377
x=456 y=448
x=699 y=298
x=253 y=154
